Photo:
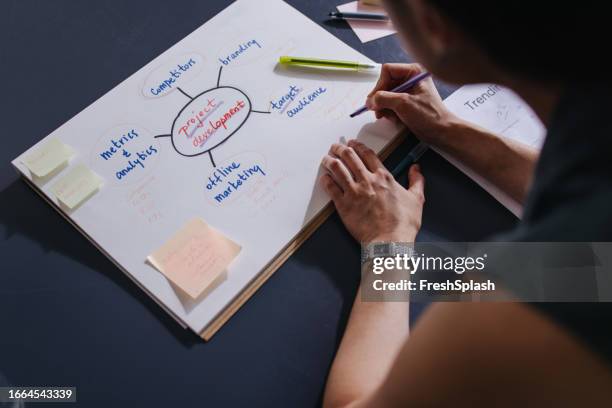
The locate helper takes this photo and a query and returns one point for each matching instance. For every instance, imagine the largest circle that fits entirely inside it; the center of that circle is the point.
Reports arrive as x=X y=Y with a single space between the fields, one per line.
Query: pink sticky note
x=367 y=30
x=194 y=257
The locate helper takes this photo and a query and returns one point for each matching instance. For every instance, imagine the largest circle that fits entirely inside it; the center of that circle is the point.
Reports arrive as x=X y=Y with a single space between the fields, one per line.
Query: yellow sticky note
x=48 y=157
x=194 y=257
x=76 y=186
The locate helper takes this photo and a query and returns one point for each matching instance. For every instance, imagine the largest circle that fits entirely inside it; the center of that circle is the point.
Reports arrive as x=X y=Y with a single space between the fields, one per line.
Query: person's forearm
x=373 y=337
x=505 y=163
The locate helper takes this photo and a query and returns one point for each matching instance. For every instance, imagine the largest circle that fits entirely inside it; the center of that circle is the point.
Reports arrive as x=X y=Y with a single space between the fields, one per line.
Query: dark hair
x=553 y=41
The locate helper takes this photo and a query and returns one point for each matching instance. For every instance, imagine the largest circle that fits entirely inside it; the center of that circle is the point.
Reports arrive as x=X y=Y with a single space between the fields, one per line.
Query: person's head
x=505 y=41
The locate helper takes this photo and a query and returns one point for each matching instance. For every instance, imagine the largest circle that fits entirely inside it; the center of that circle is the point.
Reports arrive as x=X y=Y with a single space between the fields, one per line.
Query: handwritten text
x=305 y=101
x=232 y=178
x=236 y=54
x=174 y=75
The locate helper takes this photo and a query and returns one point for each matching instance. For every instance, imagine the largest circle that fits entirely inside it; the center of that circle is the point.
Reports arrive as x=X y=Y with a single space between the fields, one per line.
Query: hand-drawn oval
x=172 y=74
x=238 y=179
x=124 y=154
x=209 y=119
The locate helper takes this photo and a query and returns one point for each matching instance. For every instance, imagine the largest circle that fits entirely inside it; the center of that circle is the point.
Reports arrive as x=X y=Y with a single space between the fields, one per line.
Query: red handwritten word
x=221 y=122
x=196 y=119
x=202 y=138
x=231 y=112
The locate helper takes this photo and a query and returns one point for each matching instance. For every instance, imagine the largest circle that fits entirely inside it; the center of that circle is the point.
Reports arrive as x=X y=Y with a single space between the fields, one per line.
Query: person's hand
x=420 y=109
x=373 y=206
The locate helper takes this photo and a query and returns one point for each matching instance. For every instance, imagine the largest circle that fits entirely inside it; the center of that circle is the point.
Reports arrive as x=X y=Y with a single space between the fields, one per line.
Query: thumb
x=386 y=100
x=416 y=181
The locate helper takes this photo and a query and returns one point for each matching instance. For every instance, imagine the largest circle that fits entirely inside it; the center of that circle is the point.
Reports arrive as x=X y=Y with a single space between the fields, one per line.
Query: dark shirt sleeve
x=580 y=221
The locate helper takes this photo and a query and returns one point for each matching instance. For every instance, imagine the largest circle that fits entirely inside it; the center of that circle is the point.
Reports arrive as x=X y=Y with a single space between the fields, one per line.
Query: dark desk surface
x=58 y=57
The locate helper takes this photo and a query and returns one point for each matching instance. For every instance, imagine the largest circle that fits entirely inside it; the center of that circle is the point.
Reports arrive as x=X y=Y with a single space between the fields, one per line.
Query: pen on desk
x=325 y=63
x=413 y=156
x=401 y=88
x=358 y=15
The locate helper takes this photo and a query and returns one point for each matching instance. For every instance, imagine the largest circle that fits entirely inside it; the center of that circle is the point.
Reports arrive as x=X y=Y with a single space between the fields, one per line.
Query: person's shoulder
x=465 y=348
x=582 y=218
x=570 y=228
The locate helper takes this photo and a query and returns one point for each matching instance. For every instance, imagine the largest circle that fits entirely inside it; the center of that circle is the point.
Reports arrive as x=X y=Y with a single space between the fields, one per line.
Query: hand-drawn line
x=219 y=75
x=509 y=126
x=174 y=133
x=184 y=93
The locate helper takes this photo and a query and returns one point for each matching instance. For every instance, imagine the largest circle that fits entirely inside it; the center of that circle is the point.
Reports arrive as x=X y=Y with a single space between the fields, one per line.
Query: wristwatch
x=385 y=250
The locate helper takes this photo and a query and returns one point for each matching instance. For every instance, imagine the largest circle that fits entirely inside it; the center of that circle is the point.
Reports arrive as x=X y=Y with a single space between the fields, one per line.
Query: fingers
x=388 y=114
x=392 y=75
x=416 y=181
x=350 y=159
x=387 y=100
x=367 y=155
x=401 y=71
x=339 y=172
x=331 y=188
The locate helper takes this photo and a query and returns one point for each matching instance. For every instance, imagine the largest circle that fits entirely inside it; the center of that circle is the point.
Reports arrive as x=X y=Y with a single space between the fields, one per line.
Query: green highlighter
x=325 y=63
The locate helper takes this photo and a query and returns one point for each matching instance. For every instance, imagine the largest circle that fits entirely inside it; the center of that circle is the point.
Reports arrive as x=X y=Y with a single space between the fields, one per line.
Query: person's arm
x=373 y=338
x=491 y=355
x=375 y=208
x=507 y=164
x=464 y=354
x=459 y=354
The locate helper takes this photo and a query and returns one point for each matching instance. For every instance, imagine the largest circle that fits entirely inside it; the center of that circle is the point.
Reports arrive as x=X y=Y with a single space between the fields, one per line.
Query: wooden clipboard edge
x=213 y=327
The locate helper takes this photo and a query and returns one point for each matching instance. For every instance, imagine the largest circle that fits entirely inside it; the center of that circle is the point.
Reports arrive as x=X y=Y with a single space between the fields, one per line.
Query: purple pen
x=400 y=88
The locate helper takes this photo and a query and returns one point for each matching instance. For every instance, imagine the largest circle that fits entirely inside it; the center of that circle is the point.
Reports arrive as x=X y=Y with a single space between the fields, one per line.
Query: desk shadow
x=190 y=303
x=340 y=270
x=337 y=24
x=22 y=212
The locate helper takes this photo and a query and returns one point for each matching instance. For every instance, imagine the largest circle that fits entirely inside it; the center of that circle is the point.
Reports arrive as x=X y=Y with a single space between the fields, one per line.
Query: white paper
x=367 y=30
x=502 y=112
x=264 y=188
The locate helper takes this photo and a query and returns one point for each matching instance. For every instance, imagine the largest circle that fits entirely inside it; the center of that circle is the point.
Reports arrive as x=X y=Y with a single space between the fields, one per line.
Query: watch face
x=381 y=249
